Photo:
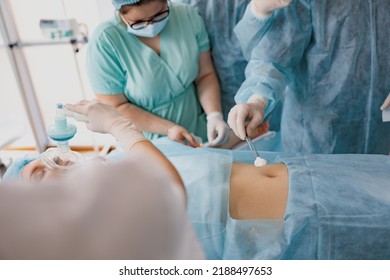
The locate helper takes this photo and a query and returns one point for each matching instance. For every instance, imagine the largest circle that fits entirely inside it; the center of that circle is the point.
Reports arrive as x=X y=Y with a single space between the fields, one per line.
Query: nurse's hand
x=103 y=118
x=245 y=118
x=218 y=132
x=180 y=134
x=100 y=116
x=265 y=8
x=386 y=104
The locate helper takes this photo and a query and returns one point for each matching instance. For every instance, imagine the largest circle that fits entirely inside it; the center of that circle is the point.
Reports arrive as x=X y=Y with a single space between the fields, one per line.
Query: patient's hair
x=124 y=9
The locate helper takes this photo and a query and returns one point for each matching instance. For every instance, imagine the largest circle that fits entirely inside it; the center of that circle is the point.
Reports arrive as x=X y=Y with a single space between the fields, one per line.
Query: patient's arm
x=150 y=151
x=103 y=118
x=258 y=192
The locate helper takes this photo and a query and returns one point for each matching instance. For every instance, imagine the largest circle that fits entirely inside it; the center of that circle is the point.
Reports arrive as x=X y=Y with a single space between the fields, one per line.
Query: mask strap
x=123 y=18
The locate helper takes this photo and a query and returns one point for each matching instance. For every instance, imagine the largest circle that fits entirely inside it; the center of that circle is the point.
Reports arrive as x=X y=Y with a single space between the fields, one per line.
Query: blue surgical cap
x=13 y=172
x=119 y=3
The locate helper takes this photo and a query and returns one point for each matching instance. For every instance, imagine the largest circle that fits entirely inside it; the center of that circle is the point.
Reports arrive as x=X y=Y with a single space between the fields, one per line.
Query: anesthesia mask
x=62 y=158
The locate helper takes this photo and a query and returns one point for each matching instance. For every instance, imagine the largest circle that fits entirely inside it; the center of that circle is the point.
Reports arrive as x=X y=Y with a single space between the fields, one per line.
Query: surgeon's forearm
x=269 y=90
x=250 y=30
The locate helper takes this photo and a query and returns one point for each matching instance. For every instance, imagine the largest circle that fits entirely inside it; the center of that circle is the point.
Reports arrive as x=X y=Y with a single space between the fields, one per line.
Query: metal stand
x=22 y=75
x=14 y=49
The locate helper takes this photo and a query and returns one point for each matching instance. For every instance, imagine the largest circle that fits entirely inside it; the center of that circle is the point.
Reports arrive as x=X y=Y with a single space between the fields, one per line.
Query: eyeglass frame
x=150 y=21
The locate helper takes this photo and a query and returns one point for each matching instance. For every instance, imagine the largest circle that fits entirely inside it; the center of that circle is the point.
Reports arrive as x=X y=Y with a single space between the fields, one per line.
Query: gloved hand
x=103 y=118
x=218 y=131
x=99 y=116
x=239 y=115
x=386 y=104
x=180 y=134
x=264 y=8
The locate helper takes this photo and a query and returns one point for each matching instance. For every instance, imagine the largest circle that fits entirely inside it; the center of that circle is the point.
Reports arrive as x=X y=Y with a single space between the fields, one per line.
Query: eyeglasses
x=144 y=23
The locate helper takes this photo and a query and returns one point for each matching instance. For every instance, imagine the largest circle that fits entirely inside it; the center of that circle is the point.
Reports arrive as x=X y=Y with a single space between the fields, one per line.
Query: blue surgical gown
x=118 y=62
x=220 y=17
x=330 y=59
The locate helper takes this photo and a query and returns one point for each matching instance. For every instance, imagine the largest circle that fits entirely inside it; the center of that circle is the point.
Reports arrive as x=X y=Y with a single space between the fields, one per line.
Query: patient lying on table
x=304 y=207
x=299 y=207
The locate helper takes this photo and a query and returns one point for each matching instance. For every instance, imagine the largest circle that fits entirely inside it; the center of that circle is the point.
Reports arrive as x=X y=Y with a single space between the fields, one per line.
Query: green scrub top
x=118 y=62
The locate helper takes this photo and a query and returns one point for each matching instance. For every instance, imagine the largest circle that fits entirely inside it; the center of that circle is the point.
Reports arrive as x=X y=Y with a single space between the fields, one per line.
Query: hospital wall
x=54 y=69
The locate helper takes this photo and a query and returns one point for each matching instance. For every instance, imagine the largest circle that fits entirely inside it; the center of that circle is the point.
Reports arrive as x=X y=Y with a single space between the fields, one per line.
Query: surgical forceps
x=252 y=147
x=258 y=160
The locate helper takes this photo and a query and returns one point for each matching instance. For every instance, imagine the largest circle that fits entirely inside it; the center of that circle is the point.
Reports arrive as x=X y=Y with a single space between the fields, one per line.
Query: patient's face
x=36 y=171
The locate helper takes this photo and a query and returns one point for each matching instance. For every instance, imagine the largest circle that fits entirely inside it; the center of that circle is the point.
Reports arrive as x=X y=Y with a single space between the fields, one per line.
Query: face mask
x=150 y=31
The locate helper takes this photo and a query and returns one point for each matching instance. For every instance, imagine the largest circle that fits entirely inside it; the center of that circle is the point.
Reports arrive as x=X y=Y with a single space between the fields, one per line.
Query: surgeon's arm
x=255 y=23
x=273 y=61
x=103 y=118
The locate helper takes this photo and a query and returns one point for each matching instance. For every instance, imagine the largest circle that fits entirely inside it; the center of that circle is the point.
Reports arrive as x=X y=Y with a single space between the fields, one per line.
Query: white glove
x=264 y=8
x=103 y=118
x=218 y=131
x=239 y=115
x=386 y=104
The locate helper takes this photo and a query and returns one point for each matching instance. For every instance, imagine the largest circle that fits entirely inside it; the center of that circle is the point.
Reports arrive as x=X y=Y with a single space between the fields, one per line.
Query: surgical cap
x=119 y=3
x=13 y=172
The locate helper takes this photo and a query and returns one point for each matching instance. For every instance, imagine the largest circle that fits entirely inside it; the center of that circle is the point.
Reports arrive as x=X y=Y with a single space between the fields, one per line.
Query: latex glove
x=241 y=114
x=264 y=8
x=218 y=131
x=103 y=118
x=386 y=104
x=180 y=134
